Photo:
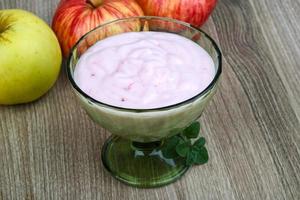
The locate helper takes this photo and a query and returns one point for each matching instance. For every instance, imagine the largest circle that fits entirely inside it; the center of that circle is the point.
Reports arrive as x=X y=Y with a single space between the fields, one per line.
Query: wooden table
x=50 y=149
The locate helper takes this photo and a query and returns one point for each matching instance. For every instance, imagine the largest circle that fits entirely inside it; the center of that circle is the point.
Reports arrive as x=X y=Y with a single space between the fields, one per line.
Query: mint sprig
x=195 y=153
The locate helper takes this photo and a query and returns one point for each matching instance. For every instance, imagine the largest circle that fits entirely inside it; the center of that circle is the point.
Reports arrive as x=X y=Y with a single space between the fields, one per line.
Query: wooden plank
x=274 y=118
x=279 y=21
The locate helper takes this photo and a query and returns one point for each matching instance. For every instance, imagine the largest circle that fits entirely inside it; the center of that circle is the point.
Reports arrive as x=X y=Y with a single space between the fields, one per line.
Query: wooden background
x=50 y=149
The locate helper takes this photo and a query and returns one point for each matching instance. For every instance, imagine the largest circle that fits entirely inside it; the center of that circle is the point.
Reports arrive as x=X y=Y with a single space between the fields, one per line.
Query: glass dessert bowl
x=134 y=153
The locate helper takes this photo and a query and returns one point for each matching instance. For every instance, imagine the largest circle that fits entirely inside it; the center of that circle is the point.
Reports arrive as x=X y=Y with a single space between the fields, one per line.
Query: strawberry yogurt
x=144 y=70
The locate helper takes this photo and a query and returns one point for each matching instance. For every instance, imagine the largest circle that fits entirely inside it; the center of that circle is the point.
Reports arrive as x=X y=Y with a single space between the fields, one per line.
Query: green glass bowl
x=133 y=154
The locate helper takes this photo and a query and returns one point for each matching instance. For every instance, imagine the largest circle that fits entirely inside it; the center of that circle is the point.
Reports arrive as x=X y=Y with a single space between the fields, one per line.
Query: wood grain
x=50 y=149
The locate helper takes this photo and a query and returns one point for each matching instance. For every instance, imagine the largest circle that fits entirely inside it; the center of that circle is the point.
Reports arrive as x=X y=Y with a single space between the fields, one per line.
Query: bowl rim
x=168 y=107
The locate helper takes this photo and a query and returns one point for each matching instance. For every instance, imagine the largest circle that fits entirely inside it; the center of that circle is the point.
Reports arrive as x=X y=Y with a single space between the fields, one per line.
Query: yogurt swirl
x=144 y=70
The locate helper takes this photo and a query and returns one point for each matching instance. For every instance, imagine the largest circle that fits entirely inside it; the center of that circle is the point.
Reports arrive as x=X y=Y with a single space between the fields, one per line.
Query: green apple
x=30 y=57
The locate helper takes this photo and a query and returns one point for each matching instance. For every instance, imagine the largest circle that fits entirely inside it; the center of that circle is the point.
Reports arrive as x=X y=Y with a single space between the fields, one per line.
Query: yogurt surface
x=144 y=70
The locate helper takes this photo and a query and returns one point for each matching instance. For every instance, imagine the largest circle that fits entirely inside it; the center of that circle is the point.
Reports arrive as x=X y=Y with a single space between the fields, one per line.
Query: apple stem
x=95 y=3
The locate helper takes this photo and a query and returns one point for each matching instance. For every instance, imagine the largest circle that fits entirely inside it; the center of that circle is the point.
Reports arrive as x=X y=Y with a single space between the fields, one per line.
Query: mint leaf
x=199 y=143
x=192 y=131
x=201 y=157
x=190 y=158
x=201 y=154
x=196 y=154
x=183 y=148
x=169 y=148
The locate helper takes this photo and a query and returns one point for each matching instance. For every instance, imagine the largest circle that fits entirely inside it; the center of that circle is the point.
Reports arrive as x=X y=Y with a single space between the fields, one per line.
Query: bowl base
x=142 y=164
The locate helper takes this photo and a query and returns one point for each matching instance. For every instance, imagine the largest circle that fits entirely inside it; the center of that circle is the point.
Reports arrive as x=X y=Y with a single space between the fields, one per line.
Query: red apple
x=194 y=12
x=74 y=18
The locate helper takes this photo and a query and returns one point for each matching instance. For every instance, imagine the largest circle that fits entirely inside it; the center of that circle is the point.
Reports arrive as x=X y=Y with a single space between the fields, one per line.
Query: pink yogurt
x=144 y=70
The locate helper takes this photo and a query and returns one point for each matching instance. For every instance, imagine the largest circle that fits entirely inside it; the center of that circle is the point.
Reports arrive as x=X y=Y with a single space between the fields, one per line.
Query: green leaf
x=199 y=143
x=201 y=156
x=192 y=131
x=183 y=148
x=169 y=148
x=190 y=158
